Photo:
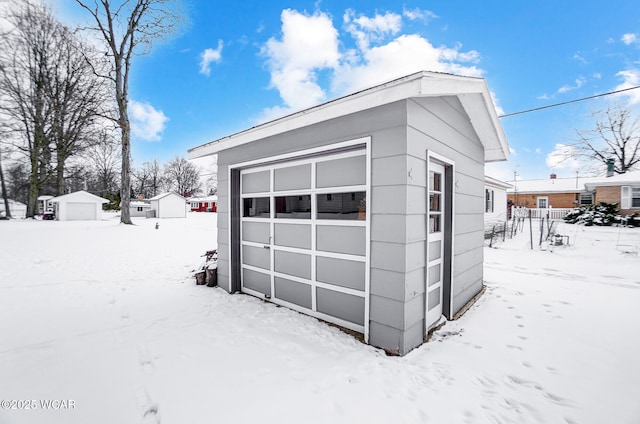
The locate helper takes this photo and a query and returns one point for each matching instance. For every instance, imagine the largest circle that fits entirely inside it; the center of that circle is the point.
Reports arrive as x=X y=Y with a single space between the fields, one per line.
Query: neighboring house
x=139 y=208
x=495 y=200
x=169 y=205
x=204 y=204
x=550 y=193
x=17 y=209
x=43 y=203
x=623 y=189
x=366 y=211
x=78 y=206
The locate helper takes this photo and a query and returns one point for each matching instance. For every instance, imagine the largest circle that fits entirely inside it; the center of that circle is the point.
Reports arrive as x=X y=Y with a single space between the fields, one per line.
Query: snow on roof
x=160 y=196
x=472 y=92
x=45 y=197
x=571 y=185
x=620 y=179
x=139 y=203
x=203 y=199
x=496 y=182
x=81 y=194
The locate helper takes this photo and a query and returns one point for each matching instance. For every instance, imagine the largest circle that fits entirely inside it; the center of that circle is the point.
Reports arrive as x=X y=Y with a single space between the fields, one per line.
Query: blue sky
x=239 y=63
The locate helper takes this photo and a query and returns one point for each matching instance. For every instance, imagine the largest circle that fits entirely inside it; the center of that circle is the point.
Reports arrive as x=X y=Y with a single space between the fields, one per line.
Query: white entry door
x=435 y=241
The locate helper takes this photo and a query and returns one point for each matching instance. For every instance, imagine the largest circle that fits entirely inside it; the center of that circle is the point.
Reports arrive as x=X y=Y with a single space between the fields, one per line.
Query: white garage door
x=81 y=211
x=304 y=236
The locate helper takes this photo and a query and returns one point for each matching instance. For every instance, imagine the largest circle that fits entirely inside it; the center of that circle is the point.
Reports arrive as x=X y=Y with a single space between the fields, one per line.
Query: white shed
x=18 y=210
x=169 y=205
x=139 y=208
x=78 y=206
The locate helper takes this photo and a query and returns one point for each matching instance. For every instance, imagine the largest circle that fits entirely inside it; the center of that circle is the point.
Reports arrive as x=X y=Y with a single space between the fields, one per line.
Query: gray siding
x=401 y=134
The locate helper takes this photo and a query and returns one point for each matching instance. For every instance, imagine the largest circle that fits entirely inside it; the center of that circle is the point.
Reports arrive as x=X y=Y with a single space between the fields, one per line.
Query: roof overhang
x=472 y=92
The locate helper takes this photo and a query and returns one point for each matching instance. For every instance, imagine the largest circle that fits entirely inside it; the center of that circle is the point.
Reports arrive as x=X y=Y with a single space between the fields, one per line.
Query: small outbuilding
x=169 y=205
x=17 y=209
x=366 y=211
x=139 y=208
x=78 y=206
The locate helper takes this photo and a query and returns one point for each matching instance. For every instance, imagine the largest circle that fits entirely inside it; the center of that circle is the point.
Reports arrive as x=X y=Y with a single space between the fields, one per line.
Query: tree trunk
x=125 y=172
x=32 y=204
x=4 y=193
x=60 y=180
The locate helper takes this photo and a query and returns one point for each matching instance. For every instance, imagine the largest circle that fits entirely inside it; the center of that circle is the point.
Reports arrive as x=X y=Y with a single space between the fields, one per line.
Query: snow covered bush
x=603 y=214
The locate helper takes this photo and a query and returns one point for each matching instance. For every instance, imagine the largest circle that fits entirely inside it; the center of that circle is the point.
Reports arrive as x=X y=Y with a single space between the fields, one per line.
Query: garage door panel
x=340 y=305
x=341 y=239
x=292 y=178
x=291 y=263
x=349 y=171
x=293 y=235
x=257 y=281
x=257 y=232
x=293 y=292
x=256 y=256
x=341 y=272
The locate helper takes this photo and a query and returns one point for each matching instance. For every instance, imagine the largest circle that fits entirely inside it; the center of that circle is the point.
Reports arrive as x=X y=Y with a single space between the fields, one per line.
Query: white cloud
x=367 y=30
x=631 y=78
x=580 y=58
x=629 y=38
x=147 y=123
x=309 y=49
x=578 y=83
x=209 y=56
x=308 y=44
x=404 y=55
x=414 y=14
x=563 y=157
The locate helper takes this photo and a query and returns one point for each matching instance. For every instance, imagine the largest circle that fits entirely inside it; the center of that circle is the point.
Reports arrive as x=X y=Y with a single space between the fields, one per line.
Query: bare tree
x=616 y=135
x=104 y=158
x=182 y=177
x=25 y=68
x=128 y=27
x=78 y=97
x=149 y=179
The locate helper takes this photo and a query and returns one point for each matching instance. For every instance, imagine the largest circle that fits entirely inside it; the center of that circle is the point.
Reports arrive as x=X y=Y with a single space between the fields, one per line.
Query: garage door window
x=293 y=207
x=346 y=206
x=256 y=207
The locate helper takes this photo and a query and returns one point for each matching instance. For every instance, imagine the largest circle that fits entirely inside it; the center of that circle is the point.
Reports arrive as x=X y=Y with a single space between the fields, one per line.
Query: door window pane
x=434 y=223
x=293 y=207
x=434 y=202
x=348 y=206
x=255 y=207
x=434 y=181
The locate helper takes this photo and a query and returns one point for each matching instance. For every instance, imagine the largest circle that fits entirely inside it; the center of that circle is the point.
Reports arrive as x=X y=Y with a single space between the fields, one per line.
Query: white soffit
x=472 y=92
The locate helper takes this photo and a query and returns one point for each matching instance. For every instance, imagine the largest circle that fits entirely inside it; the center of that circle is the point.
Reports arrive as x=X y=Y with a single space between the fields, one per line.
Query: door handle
x=266 y=246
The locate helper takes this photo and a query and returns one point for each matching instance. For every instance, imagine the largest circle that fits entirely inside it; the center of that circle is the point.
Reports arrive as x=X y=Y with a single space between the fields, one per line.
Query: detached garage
x=169 y=205
x=366 y=211
x=78 y=206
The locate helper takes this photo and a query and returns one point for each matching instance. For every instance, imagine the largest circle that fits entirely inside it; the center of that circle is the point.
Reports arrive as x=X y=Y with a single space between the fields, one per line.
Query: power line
x=566 y=103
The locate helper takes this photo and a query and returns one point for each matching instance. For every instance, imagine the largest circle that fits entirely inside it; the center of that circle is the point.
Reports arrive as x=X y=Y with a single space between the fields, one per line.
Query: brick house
x=623 y=189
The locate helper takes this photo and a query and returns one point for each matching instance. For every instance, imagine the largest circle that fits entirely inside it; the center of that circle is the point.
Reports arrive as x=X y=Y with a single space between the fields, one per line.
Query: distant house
x=17 y=209
x=204 y=204
x=169 y=205
x=623 y=189
x=78 y=206
x=43 y=203
x=139 y=208
x=495 y=200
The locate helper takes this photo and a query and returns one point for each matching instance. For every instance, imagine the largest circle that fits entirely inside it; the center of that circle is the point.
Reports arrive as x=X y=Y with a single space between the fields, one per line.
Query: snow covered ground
x=108 y=317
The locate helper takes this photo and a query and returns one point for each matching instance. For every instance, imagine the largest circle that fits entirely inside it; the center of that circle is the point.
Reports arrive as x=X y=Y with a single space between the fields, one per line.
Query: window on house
x=139 y=208
x=489 y=198
x=543 y=202
x=635 y=197
x=586 y=199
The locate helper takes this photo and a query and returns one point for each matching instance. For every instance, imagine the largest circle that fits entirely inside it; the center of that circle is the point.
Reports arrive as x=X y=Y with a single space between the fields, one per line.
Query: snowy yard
x=108 y=317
